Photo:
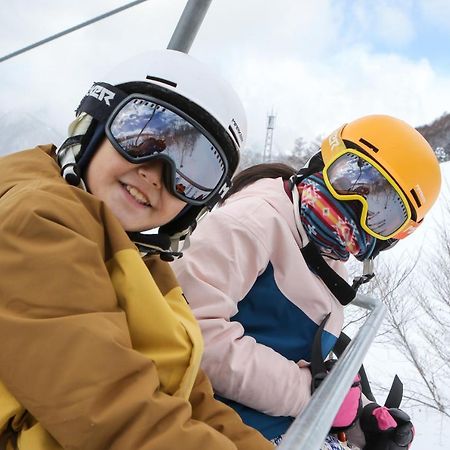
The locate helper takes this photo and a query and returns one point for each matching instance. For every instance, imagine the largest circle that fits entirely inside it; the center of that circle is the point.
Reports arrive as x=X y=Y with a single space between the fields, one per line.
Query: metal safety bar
x=188 y=25
x=309 y=430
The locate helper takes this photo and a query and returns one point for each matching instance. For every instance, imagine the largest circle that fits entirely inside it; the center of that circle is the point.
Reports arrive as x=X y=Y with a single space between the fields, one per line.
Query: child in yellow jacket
x=99 y=347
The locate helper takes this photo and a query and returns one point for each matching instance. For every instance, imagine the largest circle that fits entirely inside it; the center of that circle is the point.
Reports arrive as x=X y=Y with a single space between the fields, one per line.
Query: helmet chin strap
x=154 y=244
x=369 y=263
x=366 y=276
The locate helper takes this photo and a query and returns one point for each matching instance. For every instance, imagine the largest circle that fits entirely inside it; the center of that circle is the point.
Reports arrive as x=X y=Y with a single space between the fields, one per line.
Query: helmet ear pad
x=89 y=145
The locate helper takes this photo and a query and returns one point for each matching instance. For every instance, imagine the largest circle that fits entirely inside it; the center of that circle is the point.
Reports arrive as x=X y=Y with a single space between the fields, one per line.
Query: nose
x=151 y=172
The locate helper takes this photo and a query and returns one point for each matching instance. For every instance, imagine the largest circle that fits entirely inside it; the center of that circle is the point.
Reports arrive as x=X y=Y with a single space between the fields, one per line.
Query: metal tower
x=267 y=155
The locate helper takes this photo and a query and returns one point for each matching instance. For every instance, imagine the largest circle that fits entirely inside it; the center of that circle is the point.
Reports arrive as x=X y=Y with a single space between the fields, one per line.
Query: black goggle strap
x=97 y=105
x=220 y=193
x=101 y=100
x=315 y=164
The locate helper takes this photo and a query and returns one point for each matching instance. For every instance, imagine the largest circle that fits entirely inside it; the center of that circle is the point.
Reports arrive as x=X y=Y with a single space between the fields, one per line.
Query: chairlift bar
x=188 y=25
x=309 y=430
x=70 y=30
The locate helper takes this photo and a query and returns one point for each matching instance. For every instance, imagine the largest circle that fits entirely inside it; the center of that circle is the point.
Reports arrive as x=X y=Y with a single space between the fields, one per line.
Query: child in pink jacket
x=254 y=273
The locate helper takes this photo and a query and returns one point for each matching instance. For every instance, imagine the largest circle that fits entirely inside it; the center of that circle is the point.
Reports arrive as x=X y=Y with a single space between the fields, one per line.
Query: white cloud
x=314 y=62
x=312 y=98
x=387 y=23
x=271 y=28
x=50 y=80
x=437 y=11
x=393 y=23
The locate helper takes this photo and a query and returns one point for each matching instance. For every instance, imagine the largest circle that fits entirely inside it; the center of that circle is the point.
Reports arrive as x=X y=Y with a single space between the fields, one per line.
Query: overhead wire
x=70 y=30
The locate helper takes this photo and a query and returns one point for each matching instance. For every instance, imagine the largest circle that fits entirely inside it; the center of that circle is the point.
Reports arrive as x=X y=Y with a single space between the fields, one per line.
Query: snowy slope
x=433 y=430
x=20 y=130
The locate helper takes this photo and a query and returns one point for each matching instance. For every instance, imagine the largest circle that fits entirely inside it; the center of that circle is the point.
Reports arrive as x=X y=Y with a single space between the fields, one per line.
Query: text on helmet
x=101 y=93
x=333 y=140
x=238 y=130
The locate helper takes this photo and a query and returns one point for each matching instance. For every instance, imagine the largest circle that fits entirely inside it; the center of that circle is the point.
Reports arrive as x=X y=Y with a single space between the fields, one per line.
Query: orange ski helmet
x=397 y=151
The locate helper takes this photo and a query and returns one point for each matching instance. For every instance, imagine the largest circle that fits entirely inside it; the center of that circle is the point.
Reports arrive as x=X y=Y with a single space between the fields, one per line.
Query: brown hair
x=254 y=173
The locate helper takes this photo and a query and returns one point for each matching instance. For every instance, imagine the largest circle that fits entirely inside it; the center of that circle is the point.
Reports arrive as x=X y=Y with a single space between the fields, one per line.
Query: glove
x=351 y=406
x=386 y=428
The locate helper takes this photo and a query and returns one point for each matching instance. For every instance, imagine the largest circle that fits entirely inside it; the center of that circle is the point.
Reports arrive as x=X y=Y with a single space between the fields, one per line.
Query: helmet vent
x=234 y=136
x=161 y=80
x=368 y=144
x=416 y=197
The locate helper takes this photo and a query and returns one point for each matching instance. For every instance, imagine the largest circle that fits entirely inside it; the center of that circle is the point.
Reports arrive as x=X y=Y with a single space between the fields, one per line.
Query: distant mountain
x=20 y=130
x=437 y=134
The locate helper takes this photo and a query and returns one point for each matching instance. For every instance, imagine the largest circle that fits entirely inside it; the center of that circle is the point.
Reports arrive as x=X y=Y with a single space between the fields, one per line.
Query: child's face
x=135 y=193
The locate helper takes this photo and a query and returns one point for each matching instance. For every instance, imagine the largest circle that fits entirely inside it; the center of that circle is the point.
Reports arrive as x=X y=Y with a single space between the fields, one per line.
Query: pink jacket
x=231 y=248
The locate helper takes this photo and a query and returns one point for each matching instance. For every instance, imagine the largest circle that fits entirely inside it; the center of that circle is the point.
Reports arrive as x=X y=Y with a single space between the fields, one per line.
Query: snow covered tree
x=417 y=296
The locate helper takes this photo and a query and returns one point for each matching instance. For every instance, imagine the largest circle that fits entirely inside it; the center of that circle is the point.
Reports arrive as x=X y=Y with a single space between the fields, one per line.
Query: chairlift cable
x=70 y=30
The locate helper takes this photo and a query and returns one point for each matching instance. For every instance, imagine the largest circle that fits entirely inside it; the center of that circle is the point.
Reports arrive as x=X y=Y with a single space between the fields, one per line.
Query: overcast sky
x=316 y=63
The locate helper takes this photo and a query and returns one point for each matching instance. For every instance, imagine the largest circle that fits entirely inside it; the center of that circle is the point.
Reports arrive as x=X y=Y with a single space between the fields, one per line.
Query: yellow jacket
x=99 y=349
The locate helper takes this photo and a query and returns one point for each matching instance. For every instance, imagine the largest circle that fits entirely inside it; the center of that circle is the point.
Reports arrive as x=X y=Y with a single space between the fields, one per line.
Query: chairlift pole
x=309 y=430
x=188 y=25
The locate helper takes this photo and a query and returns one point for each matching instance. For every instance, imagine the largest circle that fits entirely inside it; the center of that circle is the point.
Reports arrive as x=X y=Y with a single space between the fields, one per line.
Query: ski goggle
x=142 y=129
x=351 y=175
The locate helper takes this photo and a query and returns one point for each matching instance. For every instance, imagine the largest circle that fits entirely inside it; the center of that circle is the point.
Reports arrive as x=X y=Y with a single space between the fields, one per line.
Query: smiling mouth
x=136 y=194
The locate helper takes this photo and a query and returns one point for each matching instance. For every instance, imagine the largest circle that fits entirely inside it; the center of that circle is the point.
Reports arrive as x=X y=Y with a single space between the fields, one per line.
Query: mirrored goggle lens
x=350 y=174
x=144 y=130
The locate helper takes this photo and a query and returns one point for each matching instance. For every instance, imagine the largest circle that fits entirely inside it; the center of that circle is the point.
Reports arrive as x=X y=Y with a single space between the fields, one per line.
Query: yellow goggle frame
x=408 y=226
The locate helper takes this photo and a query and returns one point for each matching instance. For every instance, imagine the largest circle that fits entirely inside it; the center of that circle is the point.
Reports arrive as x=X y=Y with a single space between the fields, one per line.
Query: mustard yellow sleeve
x=65 y=347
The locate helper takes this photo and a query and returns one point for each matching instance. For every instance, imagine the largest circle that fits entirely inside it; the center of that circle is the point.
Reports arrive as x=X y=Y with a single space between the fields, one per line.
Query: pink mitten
x=351 y=407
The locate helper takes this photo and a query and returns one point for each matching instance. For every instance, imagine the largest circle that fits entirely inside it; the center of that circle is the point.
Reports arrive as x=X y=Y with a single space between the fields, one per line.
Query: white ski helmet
x=178 y=80
x=187 y=77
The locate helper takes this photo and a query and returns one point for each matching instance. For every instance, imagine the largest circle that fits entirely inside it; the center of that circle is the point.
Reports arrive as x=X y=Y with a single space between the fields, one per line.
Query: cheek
x=92 y=181
x=98 y=185
x=175 y=205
